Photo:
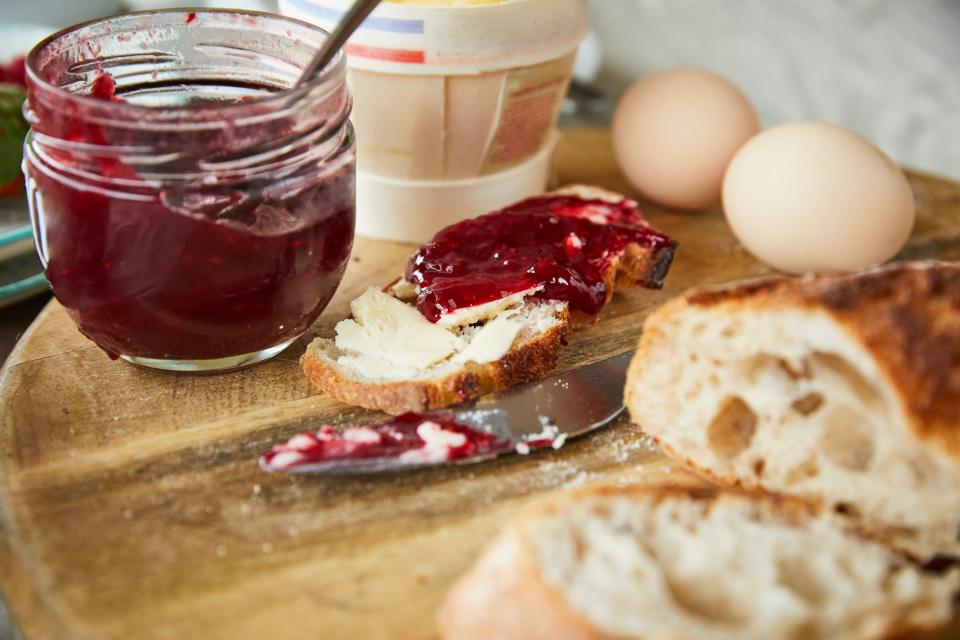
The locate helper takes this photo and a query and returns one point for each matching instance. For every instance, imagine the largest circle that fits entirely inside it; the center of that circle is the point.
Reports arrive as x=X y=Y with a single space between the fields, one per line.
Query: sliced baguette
x=653 y=563
x=546 y=326
x=841 y=389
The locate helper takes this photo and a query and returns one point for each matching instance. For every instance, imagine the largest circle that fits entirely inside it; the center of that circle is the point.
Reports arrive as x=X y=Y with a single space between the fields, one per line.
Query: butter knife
x=545 y=413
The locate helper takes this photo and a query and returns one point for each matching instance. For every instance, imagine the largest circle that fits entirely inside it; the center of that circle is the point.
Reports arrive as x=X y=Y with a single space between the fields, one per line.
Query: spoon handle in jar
x=349 y=23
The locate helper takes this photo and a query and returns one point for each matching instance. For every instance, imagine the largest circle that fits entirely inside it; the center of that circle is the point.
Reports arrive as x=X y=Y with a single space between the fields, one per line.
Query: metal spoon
x=350 y=22
x=251 y=156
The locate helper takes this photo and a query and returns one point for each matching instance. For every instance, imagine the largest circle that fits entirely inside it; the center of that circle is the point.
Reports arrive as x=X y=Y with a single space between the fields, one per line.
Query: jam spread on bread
x=565 y=244
x=412 y=437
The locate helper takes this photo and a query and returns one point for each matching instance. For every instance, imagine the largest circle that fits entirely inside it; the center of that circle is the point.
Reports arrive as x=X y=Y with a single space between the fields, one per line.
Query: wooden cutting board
x=131 y=504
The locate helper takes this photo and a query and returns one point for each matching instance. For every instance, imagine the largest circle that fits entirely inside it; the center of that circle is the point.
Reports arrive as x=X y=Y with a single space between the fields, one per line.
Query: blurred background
x=888 y=69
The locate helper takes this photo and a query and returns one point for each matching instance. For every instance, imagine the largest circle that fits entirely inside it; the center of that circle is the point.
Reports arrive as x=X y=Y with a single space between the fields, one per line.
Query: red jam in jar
x=190 y=216
x=565 y=243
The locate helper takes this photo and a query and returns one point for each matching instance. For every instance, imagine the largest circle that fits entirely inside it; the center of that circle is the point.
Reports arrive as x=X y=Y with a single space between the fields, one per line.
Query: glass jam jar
x=190 y=216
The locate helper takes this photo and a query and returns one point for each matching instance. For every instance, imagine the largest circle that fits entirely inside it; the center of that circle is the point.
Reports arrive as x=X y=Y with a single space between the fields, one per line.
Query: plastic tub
x=413 y=211
x=455 y=105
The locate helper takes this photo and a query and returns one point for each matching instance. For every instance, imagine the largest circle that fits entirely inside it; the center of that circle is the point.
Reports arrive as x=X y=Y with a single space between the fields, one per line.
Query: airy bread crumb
x=799 y=387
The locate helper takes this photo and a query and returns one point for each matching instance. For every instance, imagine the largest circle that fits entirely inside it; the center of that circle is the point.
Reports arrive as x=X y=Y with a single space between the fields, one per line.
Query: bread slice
x=839 y=389
x=545 y=327
x=653 y=563
x=417 y=367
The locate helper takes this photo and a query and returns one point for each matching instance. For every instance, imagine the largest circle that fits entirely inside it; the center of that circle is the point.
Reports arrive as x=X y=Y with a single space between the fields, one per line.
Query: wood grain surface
x=131 y=504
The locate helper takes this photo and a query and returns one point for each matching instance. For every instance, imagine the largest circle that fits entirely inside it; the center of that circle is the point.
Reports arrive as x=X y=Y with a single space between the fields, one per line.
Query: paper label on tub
x=436 y=127
x=529 y=107
x=404 y=38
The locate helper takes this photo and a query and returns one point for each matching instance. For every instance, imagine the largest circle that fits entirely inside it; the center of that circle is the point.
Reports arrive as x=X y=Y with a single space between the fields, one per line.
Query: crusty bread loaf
x=840 y=389
x=546 y=326
x=653 y=563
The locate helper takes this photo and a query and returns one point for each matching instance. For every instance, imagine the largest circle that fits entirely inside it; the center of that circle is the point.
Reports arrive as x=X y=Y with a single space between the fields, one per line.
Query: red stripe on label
x=390 y=55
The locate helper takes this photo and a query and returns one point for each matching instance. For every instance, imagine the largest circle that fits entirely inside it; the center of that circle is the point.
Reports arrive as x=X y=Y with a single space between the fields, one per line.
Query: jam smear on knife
x=411 y=437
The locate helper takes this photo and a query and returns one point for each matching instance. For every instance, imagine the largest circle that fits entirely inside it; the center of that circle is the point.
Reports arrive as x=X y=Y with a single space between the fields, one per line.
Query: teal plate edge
x=15 y=235
x=22 y=289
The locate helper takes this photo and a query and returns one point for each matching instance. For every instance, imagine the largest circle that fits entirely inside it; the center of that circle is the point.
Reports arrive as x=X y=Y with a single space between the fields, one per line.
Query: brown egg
x=675 y=131
x=809 y=196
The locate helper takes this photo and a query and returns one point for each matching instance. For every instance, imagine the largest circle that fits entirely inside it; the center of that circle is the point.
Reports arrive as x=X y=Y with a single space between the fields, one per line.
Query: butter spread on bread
x=387 y=338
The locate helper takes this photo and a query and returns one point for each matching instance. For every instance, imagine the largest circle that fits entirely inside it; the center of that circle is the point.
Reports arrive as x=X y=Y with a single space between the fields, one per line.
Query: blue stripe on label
x=377 y=23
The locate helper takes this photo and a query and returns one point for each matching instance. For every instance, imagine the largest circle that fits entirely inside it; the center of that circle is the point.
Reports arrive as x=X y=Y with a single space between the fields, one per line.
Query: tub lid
x=454 y=38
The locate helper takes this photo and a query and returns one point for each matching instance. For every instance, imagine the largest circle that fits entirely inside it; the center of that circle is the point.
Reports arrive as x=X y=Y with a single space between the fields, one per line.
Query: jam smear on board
x=412 y=437
x=564 y=243
x=194 y=271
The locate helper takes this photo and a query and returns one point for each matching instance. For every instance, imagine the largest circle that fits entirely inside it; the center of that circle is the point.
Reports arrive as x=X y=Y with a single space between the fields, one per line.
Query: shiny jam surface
x=184 y=273
x=412 y=437
x=563 y=242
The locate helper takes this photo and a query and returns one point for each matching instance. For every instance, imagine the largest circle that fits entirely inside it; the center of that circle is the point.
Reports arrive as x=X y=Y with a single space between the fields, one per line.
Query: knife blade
x=539 y=414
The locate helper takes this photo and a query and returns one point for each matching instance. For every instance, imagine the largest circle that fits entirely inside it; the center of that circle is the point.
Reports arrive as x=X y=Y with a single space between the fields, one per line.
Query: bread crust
x=905 y=315
x=637 y=266
x=503 y=596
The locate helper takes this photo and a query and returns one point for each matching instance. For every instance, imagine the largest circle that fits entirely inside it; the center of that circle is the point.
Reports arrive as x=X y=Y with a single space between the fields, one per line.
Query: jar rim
x=335 y=69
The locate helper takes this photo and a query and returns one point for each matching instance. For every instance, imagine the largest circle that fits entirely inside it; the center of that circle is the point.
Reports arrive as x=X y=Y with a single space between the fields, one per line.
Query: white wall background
x=889 y=69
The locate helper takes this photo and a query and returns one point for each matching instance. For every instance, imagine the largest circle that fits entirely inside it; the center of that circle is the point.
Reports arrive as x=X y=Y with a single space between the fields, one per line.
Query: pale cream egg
x=809 y=196
x=675 y=131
